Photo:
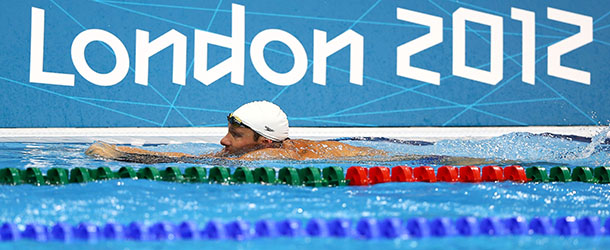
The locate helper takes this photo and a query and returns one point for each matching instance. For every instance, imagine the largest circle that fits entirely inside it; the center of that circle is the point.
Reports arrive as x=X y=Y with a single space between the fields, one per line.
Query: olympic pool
x=125 y=200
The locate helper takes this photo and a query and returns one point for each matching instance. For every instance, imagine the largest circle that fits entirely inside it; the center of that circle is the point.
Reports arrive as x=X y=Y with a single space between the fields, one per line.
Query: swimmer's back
x=306 y=149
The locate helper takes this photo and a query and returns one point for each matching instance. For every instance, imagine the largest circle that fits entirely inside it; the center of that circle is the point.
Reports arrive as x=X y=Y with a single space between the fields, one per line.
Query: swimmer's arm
x=131 y=150
x=451 y=160
x=271 y=154
x=464 y=161
x=129 y=154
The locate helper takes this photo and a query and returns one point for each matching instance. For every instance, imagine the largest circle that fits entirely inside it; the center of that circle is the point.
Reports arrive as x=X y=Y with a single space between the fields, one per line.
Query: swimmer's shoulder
x=271 y=154
x=293 y=149
x=304 y=143
x=309 y=149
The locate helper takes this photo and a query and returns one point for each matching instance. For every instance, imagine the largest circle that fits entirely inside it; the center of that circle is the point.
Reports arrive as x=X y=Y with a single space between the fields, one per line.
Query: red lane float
x=402 y=174
x=357 y=176
x=515 y=173
x=424 y=174
x=447 y=174
x=379 y=175
x=470 y=174
x=361 y=176
x=493 y=173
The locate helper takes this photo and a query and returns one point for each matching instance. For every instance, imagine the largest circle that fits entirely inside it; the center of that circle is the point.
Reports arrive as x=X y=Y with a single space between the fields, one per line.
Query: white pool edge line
x=140 y=136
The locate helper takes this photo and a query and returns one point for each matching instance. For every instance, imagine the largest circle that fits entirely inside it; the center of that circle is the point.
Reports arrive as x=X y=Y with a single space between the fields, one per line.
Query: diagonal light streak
x=203 y=109
x=211 y=125
x=188 y=72
x=334 y=122
x=482 y=98
x=504 y=15
x=601 y=28
x=284 y=53
x=475 y=109
x=493 y=90
x=421 y=85
x=519 y=101
x=288 y=16
x=566 y=99
x=383 y=112
x=350 y=27
x=489 y=93
x=365 y=76
x=79 y=100
x=122 y=102
x=519 y=64
x=447 y=107
x=104 y=45
x=602 y=42
x=601 y=17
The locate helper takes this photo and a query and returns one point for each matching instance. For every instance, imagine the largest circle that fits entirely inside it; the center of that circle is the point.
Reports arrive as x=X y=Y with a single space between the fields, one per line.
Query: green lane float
x=311 y=177
x=195 y=174
x=102 y=173
x=289 y=176
x=560 y=174
x=602 y=174
x=172 y=174
x=583 y=174
x=149 y=173
x=33 y=176
x=10 y=176
x=219 y=175
x=57 y=176
x=264 y=175
x=127 y=172
x=537 y=174
x=79 y=175
x=334 y=176
x=243 y=175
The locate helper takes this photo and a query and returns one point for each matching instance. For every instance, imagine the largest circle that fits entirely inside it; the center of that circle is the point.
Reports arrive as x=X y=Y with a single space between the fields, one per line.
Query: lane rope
x=331 y=176
x=363 y=228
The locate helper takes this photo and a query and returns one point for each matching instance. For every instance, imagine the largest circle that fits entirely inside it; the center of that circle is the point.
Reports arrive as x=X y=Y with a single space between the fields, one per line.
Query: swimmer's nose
x=225 y=141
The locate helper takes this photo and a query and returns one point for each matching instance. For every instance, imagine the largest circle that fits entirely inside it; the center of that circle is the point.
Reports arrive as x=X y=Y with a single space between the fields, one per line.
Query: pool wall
x=326 y=63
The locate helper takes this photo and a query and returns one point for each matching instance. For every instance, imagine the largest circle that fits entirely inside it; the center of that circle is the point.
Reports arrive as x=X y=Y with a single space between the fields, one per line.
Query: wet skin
x=239 y=144
x=240 y=140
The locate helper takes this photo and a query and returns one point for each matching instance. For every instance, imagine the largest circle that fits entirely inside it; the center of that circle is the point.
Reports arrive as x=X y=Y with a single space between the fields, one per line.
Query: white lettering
x=121 y=66
x=406 y=50
x=528 y=43
x=258 y=58
x=234 y=64
x=323 y=49
x=571 y=43
x=492 y=77
x=146 y=49
x=37 y=75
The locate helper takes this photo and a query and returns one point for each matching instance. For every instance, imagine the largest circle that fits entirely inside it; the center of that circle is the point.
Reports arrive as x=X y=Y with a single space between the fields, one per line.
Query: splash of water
x=593 y=147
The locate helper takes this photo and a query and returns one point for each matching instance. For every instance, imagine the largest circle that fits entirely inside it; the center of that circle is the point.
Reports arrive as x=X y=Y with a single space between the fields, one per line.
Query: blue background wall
x=384 y=99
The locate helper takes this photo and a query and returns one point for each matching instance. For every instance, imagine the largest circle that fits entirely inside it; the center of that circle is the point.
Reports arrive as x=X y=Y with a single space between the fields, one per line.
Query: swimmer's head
x=255 y=125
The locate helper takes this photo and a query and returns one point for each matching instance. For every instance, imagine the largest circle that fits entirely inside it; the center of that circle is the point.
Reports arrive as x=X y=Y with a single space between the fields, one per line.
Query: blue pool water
x=126 y=200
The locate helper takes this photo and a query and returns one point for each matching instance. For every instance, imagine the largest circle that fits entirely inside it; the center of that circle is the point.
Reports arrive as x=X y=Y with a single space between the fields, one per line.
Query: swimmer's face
x=240 y=140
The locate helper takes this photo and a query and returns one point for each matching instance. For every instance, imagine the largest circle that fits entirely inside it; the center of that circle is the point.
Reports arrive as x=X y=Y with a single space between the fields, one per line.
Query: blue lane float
x=363 y=228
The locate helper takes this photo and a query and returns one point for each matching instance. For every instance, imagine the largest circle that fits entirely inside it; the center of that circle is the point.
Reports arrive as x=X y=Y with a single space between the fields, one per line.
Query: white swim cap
x=265 y=118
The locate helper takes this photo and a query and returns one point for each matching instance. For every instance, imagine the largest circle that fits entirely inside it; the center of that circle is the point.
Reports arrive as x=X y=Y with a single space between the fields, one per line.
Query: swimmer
x=259 y=131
